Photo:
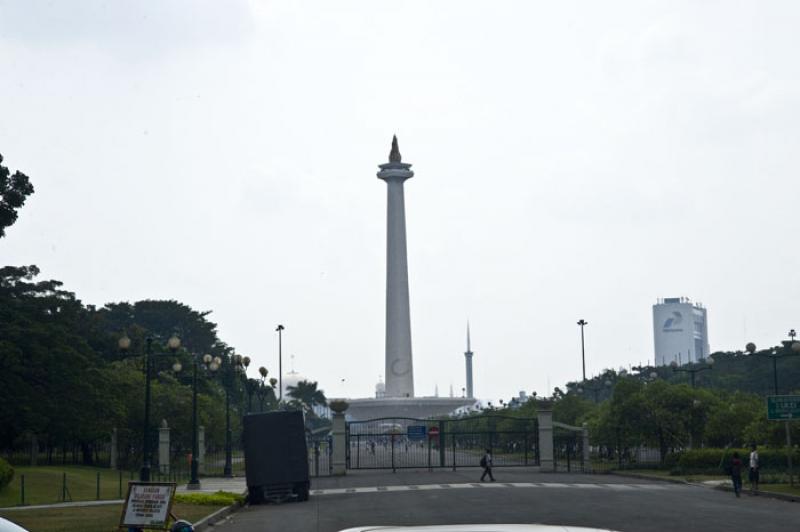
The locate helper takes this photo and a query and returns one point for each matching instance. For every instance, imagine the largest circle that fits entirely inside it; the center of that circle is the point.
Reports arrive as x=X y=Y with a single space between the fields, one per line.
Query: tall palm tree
x=307 y=394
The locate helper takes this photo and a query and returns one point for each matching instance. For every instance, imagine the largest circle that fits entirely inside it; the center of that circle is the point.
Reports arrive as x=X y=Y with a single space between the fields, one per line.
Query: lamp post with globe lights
x=693 y=370
x=124 y=344
x=233 y=365
x=790 y=348
x=211 y=364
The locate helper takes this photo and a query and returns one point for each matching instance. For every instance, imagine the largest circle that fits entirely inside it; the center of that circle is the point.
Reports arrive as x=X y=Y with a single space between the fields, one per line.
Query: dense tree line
x=67 y=382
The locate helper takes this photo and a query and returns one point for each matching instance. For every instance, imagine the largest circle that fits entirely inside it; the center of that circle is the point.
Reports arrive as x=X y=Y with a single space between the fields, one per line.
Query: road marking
x=546 y=485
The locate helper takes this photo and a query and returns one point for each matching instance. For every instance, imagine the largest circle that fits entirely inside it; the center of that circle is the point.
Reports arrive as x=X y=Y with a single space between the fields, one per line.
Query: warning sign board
x=148 y=505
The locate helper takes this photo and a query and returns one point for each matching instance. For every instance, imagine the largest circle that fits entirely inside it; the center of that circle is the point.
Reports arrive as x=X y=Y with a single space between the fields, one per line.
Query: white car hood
x=475 y=528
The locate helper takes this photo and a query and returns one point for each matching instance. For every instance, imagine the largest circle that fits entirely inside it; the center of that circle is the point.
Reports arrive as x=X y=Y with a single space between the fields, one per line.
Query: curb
x=649 y=477
x=767 y=494
x=216 y=517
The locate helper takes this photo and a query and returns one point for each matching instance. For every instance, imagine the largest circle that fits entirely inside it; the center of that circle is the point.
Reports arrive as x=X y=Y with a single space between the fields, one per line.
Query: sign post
x=416 y=432
x=785 y=408
x=148 y=505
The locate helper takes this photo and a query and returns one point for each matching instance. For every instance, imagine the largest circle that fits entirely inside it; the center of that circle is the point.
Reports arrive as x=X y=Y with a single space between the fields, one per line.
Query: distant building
x=680 y=330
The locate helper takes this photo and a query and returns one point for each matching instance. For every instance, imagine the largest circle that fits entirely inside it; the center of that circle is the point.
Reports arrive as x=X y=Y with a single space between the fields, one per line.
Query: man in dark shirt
x=736 y=473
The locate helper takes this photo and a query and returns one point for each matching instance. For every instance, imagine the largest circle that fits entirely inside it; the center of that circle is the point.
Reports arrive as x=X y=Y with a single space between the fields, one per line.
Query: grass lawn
x=43 y=484
x=778 y=488
x=92 y=519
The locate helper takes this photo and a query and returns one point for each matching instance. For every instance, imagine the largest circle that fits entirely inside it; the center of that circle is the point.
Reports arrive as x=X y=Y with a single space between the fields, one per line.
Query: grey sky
x=573 y=160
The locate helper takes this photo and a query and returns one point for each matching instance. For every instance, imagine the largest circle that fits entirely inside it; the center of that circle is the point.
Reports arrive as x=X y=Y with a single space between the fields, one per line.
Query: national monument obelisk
x=396 y=397
x=399 y=367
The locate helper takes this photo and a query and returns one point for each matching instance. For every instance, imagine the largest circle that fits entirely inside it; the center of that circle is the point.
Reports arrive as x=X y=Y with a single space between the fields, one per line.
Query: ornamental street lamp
x=212 y=364
x=230 y=366
x=124 y=344
x=583 y=323
x=693 y=370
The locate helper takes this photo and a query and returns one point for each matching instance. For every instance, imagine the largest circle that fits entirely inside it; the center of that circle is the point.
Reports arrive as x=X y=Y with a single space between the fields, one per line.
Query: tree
x=307 y=394
x=14 y=190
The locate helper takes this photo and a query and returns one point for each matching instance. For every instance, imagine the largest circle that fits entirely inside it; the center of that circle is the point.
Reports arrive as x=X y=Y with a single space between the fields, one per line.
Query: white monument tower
x=399 y=369
x=468 y=358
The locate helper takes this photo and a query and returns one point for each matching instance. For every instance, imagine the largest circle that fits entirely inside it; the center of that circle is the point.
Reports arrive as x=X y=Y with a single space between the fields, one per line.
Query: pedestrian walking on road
x=754 y=470
x=486 y=464
x=736 y=474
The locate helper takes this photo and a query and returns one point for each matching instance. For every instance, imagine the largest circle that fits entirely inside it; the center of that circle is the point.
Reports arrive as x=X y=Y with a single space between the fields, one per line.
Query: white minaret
x=399 y=369
x=468 y=357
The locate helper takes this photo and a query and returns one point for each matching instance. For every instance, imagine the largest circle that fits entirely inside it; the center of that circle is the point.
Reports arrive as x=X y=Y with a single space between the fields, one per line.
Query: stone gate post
x=545 y=417
x=163 y=447
x=113 y=452
x=339 y=444
x=587 y=464
x=34 y=449
x=201 y=450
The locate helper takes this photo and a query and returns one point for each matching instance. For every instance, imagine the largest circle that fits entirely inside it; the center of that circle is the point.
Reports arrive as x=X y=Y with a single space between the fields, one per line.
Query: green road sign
x=781 y=407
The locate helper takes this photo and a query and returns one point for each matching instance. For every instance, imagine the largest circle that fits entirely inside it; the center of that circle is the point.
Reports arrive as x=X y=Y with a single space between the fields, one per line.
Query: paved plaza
x=520 y=495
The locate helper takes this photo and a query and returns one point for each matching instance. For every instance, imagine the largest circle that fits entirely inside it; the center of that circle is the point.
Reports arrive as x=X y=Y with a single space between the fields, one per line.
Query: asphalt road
x=519 y=496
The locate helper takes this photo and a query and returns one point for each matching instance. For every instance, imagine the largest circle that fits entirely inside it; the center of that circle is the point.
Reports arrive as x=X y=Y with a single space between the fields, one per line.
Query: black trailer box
x=275 y=456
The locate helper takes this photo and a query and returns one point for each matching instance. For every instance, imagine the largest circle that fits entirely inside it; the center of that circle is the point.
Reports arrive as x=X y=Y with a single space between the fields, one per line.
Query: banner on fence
x=148 y=505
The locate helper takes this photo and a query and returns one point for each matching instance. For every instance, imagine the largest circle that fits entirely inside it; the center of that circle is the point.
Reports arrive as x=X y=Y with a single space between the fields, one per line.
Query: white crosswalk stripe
x=497 y=485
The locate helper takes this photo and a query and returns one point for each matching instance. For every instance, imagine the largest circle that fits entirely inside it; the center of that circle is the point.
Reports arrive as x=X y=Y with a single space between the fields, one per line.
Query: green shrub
x=714 y=461
x=220 y=498
x=6 y=473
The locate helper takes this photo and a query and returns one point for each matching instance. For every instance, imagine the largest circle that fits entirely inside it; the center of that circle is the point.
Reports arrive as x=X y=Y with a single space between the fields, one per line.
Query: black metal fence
x=568 y=450
x=396 y=443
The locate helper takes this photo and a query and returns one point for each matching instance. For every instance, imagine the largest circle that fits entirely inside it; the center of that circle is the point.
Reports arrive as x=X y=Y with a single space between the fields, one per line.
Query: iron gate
x=567 y=450
x=399 y=442
x=320 y=453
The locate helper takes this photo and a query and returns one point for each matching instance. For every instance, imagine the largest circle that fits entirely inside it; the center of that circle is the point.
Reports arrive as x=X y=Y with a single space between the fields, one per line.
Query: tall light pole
x=124 y=344
x=212 y=364
x=232 y=366
x=583 y=323
x=280 y=363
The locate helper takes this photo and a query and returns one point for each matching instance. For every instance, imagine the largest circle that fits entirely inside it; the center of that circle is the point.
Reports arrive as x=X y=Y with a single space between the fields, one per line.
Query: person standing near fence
x=486 y=464
x=736 y=474
x=754 y=470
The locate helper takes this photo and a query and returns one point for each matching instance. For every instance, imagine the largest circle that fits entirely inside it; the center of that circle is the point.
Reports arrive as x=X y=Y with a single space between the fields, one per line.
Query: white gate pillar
x=114 y=452
x=587 y=457
x=201 y=450
x=545 y=418
x=163 y=447
x=339 y=463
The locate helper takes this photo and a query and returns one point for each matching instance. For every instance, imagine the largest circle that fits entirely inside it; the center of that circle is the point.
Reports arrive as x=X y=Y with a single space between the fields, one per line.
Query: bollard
x=22 y=490
x=97 y=493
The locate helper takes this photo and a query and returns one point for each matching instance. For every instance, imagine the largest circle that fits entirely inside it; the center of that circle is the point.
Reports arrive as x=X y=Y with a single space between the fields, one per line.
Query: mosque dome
x=291 y=379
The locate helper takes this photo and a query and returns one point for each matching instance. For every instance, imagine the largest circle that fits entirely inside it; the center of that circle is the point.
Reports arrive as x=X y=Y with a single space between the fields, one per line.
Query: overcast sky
x=573 y=160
